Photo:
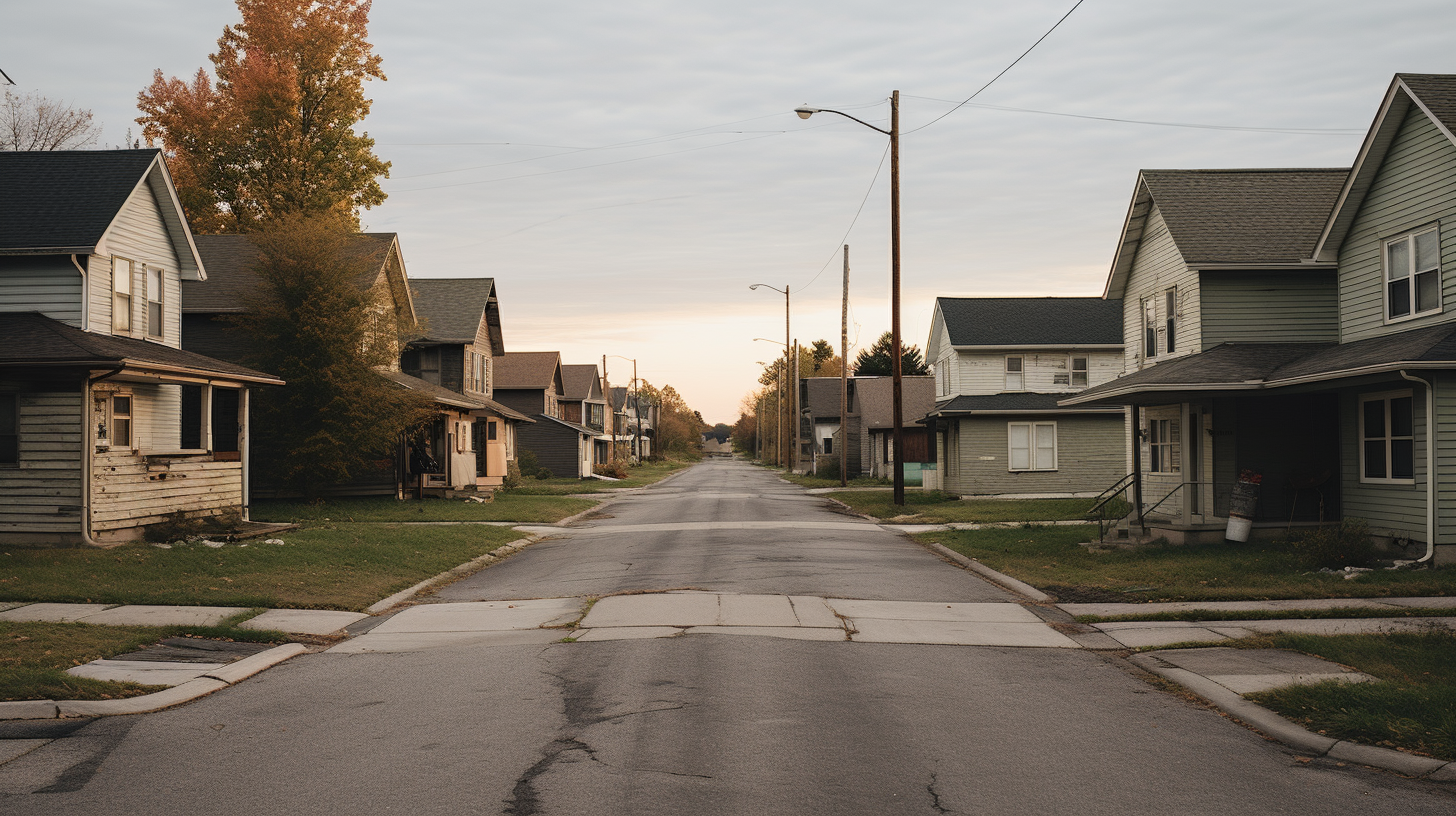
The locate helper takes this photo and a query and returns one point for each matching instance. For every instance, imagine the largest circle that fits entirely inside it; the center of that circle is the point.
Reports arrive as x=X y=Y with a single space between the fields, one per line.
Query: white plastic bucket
x=1238 y=529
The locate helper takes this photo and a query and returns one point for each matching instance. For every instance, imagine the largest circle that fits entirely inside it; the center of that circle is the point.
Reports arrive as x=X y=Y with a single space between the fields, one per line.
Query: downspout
x=88 y=453
x=85 y=295
x=1430 y=467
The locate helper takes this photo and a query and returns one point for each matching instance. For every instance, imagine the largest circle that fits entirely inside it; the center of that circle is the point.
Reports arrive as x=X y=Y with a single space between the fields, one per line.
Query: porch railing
x=1110 y=507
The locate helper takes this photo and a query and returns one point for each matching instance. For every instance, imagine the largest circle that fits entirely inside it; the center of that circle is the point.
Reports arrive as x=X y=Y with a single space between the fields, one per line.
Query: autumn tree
x=274 y=133
x=679 y=429
x=876 y=361
x=315 y=327
x=33 y=122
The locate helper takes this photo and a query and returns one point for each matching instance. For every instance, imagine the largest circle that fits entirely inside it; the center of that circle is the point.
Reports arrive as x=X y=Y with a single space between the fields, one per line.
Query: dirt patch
x=1085 y=594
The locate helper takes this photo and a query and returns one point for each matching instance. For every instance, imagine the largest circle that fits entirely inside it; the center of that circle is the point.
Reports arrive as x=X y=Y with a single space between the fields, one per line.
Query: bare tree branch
x=32 y=122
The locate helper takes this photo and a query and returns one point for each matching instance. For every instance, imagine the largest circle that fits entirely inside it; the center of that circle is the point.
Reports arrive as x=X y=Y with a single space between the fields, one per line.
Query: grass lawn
x=1412 y=707
x=34 y=656
x=1048 y=558
x=934 y=507
x=810 y=480
x=644 y=474
x=332 y=566
x=505 y=507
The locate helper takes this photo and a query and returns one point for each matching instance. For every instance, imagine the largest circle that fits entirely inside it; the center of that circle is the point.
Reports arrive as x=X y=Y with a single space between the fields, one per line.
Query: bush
x=544 y=473
x=528 y=460
x=612 y=470
x=512 y=479
x=829 y=468
x=1347 y=544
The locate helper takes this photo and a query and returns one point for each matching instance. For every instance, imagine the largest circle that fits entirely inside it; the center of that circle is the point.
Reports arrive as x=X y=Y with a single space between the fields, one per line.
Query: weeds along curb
x=473 y=565
x=204 y=685
x=1295 y=736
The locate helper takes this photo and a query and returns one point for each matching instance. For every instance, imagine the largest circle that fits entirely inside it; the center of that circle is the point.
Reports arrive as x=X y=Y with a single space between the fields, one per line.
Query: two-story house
x=1314 y=335
x=530 y=382
x=106 y=424
x=473 y=436
x=1001 y=365
x=635 y=421
x=583 y=403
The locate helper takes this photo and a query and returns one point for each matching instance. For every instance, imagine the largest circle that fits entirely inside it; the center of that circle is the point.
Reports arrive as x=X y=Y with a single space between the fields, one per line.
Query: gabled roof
x=1013 y=403
x=437 y=393
x=823 y=396
x=874 y=397
x=581 y=382
x=527 y=370
x=32 y=339
x=1432 y=94
x=581 y=429
x=231 y=277
x=1025 y=321
x=452 y=309
x=1230 y=218
x=65 y=201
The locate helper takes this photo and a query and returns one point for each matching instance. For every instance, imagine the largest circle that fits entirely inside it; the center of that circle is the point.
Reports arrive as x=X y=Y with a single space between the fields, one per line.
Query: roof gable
x=231 y=262
x=581 y=382
x=527 y=370
x=1022 y=322
x=453 y=309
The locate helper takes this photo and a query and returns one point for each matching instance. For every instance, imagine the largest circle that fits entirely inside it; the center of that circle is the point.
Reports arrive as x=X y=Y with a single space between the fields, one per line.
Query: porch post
x=1137 y=466
x=245 y=443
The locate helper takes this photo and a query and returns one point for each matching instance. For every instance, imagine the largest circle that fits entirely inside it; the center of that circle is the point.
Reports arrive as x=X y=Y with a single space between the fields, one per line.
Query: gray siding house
x=1313 y=319
x=530 y=382
x=1001 y=364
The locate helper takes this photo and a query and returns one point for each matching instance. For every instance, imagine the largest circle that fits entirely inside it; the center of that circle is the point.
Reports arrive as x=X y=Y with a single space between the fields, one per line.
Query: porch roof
x=581 y=429
x=32 y=339
x=1013 y=403
x=1259 y=366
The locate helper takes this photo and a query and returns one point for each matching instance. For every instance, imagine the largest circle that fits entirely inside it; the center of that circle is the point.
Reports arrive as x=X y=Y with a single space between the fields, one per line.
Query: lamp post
x=779 y=397
x=785 y=292
x=805 y=112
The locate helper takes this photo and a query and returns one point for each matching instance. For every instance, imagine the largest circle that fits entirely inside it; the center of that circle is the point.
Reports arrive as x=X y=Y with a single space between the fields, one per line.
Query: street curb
x=1277 y=727
x=176 y=695
x=986 y=572
x=468 y=567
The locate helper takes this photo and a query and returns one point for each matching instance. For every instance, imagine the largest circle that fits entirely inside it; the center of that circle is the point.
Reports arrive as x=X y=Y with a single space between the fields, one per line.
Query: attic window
x=1014 y=379
x=1413 y=274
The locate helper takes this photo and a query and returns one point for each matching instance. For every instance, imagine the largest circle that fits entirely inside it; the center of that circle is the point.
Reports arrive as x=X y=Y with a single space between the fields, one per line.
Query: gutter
x=1430 y=467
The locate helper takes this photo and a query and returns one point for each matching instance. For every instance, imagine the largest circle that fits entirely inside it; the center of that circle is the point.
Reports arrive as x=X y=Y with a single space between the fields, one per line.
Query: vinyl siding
x=1416 y=186
x=1268 y=307
x=556 y=446
x=979 y=373
x=1157 y=267
x=1397 y=509
x=49 y=284
x=139 y=234
x=1090 y=455
x=42 y=493
x=130 y=490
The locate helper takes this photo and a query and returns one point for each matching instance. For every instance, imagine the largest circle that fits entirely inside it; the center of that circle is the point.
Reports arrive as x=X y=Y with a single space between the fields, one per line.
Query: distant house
x=461 y=336
x=1001 y=365
x=874 y=405
x=530 y=382
x=106 y=424
x=635 y=420
x=583 y=403
x=819 y=424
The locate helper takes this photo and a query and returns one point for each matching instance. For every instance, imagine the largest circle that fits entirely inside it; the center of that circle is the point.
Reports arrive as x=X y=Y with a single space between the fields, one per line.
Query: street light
x=805 y=112
x=783 y=431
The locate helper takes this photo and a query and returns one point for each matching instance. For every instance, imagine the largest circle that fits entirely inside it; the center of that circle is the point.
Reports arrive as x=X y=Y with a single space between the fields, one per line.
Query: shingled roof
x=874 y=397
x=526 y=369
x=1010 y=403
x=452 y=309
x=231 y=259
x=577 y=381
x=1045 y=321
x=32 y=339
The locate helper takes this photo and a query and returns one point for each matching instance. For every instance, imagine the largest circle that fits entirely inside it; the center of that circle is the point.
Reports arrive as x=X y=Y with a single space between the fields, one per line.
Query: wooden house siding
x=528 y=402
x=482 y=346
x=985 y=372
x=1416 y=186
x=1268 y=307
x=42 y=493
x=98 y=293
x=130 y=490
x=139 y=234
x=1398 y=509
x=556 y=446
x=49 y=284
x=1445 y=383
x=1157 y=267
x=1090 y=455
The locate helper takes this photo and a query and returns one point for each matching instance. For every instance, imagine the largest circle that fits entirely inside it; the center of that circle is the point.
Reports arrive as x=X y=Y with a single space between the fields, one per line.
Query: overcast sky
x=626 y=170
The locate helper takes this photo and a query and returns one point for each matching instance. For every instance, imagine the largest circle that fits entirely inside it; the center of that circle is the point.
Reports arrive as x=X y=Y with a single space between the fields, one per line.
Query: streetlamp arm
x=805 y=112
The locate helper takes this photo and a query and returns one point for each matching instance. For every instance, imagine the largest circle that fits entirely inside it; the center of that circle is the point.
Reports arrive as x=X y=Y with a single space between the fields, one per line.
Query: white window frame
x=1165 y=448
x=156 y=323
x=1409 y=274
x=1036 y=433
x=122 y=285
x=1170 y=319
x=1148 y=341
x=111 y=415
x=1015 y=379
x=1388 y=438
x=1072 y=371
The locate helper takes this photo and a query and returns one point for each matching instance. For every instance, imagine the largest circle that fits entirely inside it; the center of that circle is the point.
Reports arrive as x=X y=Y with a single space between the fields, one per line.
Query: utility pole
x=611 y=418
x=798 y=420
x=896 y=352
x=844 y=377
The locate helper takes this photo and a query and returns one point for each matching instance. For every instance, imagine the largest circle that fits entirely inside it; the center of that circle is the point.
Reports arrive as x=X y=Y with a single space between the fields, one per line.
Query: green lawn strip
x=334 y=566
x=34 y=656
x=1412 y=707
x=934 y=507
x=1340 y=613
x=810 y=480
x=1050 y=559
x=505 y=507
x=638 y=476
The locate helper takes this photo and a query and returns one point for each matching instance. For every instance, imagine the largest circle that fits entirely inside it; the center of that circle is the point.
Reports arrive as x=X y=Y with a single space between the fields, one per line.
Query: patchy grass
x=1337 y=613
x=1049 y=558
x=810 y=480
x=34 y=656
x=337 y=566
x=1413 y=707
x=641 y=475
x=506 y=507
x=935 y=507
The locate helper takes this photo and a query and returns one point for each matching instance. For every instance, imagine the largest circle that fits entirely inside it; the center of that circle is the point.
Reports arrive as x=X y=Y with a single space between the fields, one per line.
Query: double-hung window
x=1163 y=449
x=121 y=271
x=1387 y=438
x=1150 y=328
x=1031 y=445
x=1015 y=378
x=1078 y=369
x=1413 y=274
x=156 y=280
x=1170 y=320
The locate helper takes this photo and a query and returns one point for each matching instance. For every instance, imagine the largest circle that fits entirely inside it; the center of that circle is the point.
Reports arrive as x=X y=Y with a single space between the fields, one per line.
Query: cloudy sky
x=626 y=170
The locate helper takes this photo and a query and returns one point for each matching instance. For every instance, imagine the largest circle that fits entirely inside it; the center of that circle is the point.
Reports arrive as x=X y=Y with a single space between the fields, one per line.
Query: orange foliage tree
x=274 y=135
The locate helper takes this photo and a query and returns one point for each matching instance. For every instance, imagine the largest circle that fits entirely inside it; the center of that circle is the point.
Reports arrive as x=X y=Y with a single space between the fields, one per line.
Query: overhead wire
x=852 y=221
x=1304 y=131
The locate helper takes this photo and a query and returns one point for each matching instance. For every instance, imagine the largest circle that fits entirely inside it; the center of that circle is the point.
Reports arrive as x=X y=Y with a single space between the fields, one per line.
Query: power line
x=1003 y=70
x=852 y=221
x=1243 y=128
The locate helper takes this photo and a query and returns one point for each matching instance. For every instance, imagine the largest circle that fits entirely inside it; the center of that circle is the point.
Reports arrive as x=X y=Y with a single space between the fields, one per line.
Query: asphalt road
x=699 y=724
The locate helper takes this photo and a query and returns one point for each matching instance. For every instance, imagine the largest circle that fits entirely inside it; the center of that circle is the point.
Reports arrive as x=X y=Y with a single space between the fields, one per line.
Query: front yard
x=935 y=507
x=641 y=475
x=516 y=507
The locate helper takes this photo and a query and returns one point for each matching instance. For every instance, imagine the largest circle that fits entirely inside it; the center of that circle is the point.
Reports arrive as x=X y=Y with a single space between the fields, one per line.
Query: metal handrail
x=1180 y=486
x=1111 y=493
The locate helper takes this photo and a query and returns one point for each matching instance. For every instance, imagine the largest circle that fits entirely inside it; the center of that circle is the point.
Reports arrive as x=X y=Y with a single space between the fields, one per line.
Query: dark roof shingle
x=452 y=307
x=1045 y=321
x=63 y=200
x=230 y=261
x=525 y=369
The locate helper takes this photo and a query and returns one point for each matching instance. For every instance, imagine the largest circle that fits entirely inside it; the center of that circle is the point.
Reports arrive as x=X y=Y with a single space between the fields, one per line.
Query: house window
x=490 y=431
x=1413 y=274
x=191 y=419
x=1015 y=381
x=1163 y=448
x=1387 y=438
x=1032 y=445
x=121 y=421
x=1150 y=329
x=156 y=279
x=430 y=364
x=121 y=270
x=1078 y=369
x=828 y=445
x=1170 y=320
x=942 y=378
x=9 y=429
